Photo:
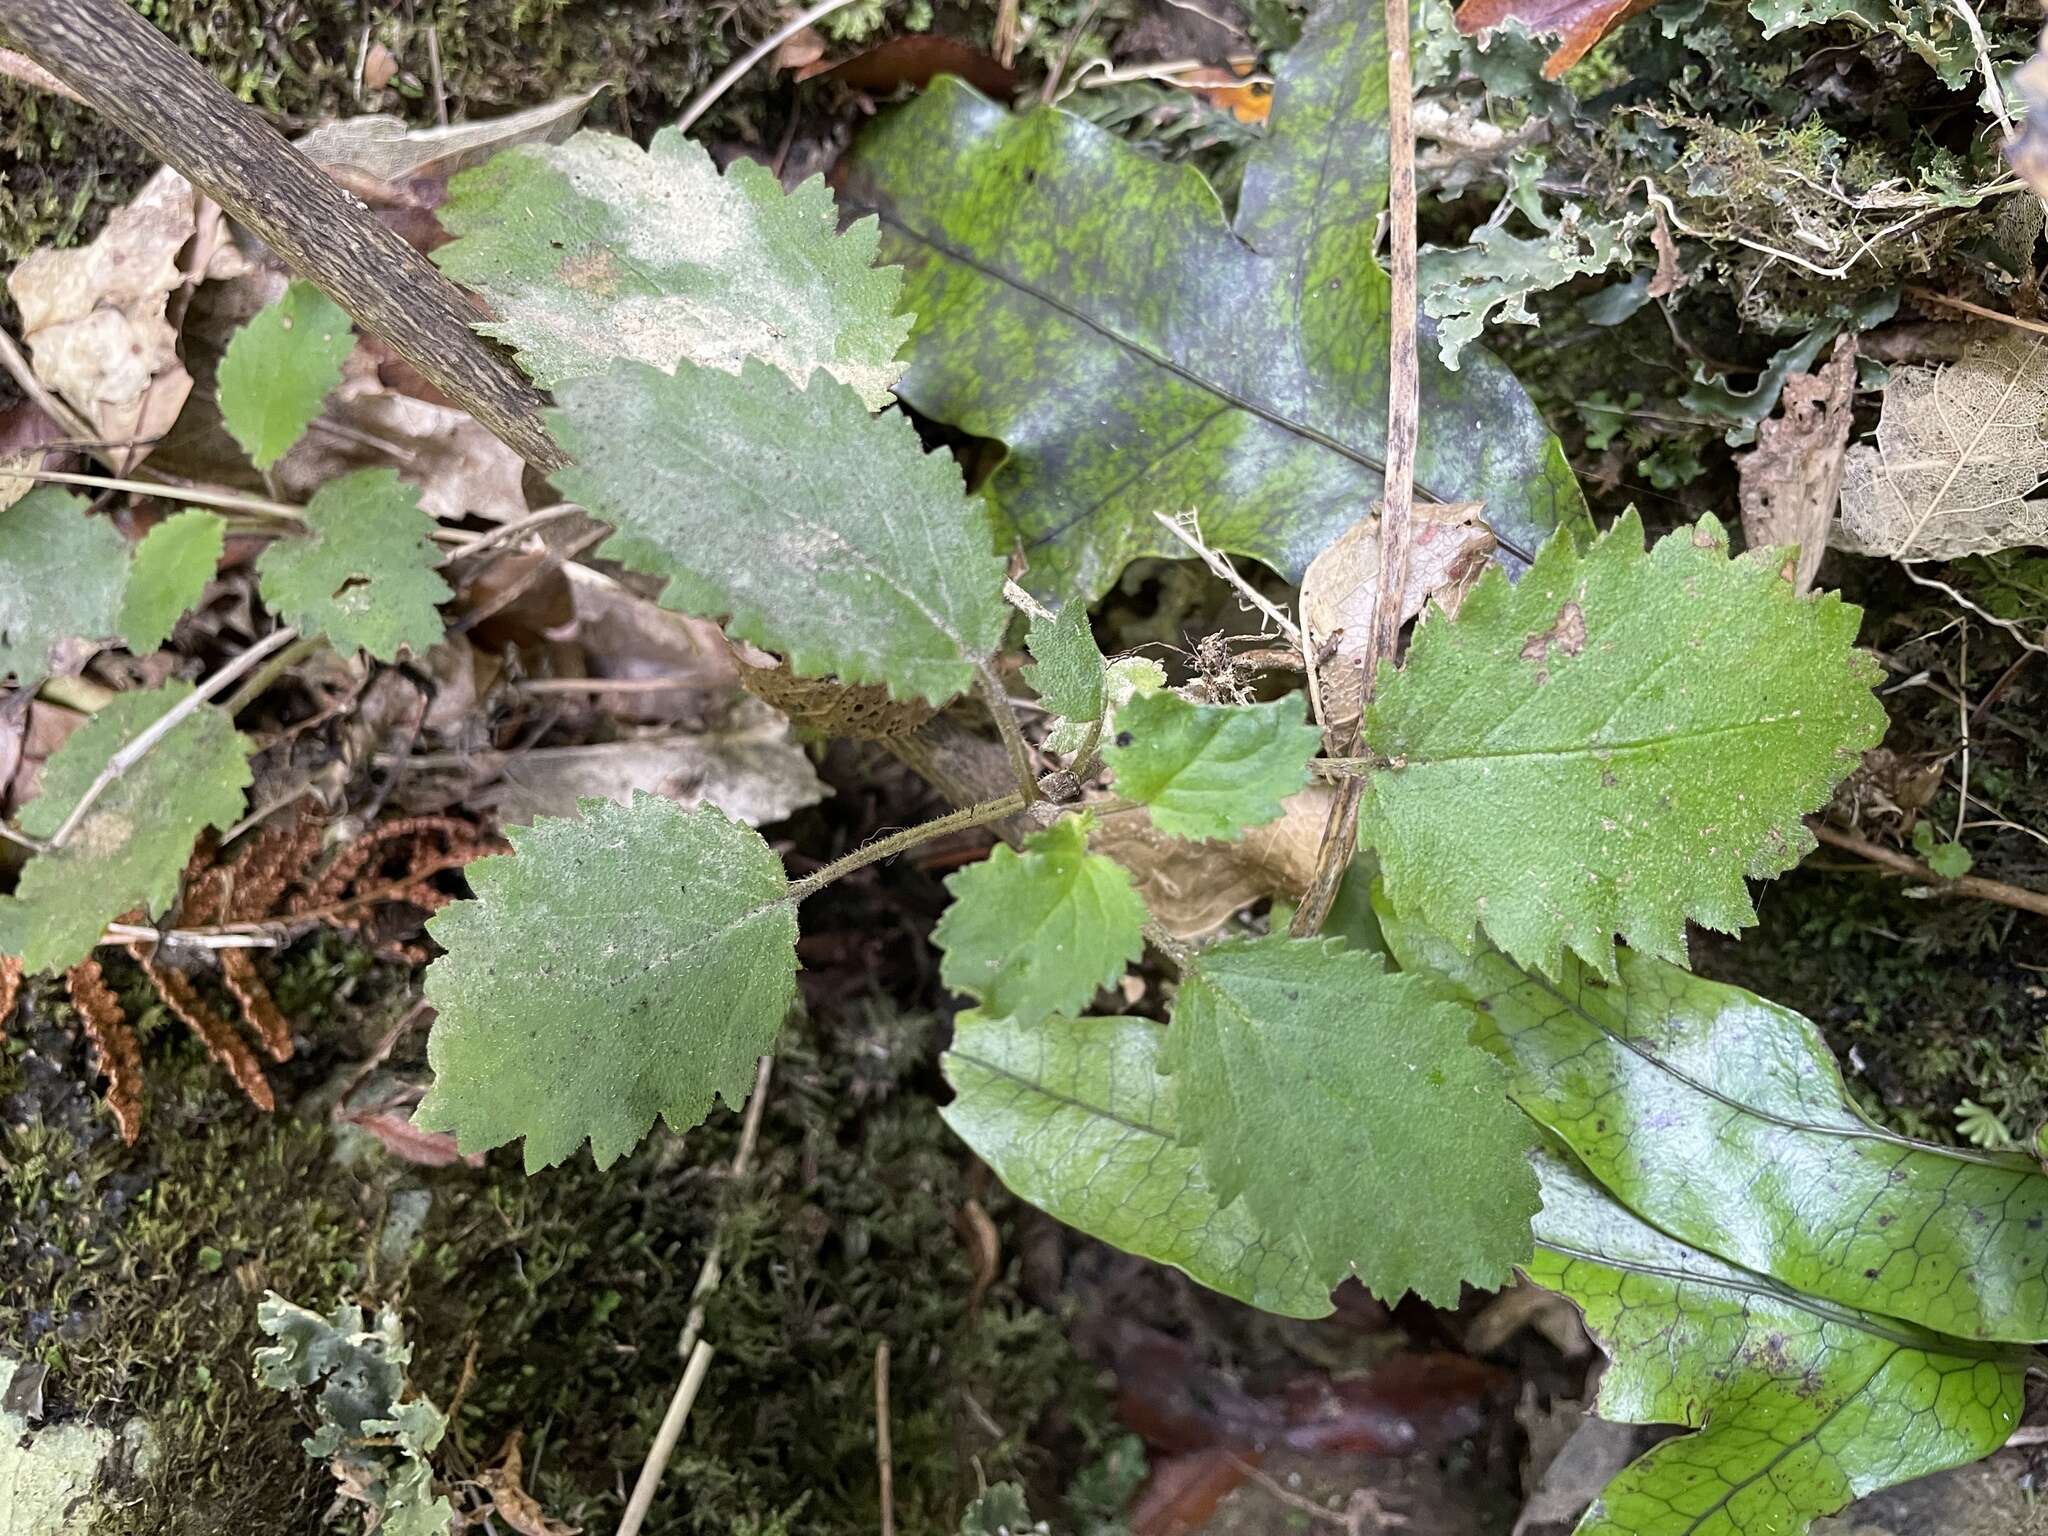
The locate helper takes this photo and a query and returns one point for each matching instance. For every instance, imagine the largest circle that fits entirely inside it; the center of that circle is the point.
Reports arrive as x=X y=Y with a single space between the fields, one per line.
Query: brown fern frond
x=239 y=974
x=117 y=1055
x=226 y=1047
x=10 y=990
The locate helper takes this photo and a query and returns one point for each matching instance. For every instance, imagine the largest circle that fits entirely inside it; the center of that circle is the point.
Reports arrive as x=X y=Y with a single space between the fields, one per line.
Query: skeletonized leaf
x=1073 y=1115
x=172 y=565
x=1958 y=453
x=1042 y=931
x=1069 y=667
x=279 y=368
x=363 y=575
x=1209 y=771
x=813 y=528
x=1673 y=1090
x=1799 y=1406
x=1350 y=1110
x=1091 y=308
x=131 y=846
x=61 y=575
x=595 y=249
x=632 y=963
x=1611 y=745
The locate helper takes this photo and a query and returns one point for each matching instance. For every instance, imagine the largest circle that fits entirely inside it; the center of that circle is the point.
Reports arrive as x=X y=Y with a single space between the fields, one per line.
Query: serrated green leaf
x=279 y=368
x=1069 y=670
x=1124 y=678
x=594 y=250
x=61 y=574
x=815 y=529
x=1611 y=745
x=1800 y=1405
x=631 y=963
x=1073 y=1115
x=131 y=846
x=1091 y=308
x=1350 y=1110
x=1042 y=931
x=363 y=573
x=172 y=565
x=1208 y=771
x=1673 y=1091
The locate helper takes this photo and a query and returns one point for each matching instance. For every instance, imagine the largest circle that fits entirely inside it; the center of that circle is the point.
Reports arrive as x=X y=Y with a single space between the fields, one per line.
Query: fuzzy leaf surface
x=172 y=565
x=1349 y=1108
x=813 y=528
x=1069 y=670
x=595 y=249
x=1673 y=1090
x=633 y=962
x=1208 y=771
x=131 y=846
x=61 y=576
x=279 y=368
x=1091 y=308
x=1074 y=1116
x=1611 y=745
x=1042 y=931
x=365 y=577
x=1799 y=1405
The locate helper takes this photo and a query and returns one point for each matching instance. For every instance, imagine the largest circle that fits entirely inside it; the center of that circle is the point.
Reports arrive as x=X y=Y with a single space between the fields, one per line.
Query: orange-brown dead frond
x=10 y=990
x=222 y=1043
x=117 y=1055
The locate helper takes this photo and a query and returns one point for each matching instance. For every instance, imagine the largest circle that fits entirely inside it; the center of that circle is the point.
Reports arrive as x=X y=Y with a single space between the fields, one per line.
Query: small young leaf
x=1070 y=668
x=61 y=574
x=1124 y=678
x=594 y=250
x=1073 y=1116
x=817 y=530
x=1800 y=1406
x=1208 y=771
x=1673 y=1090
x=172 y=566
x=1352 y=1112
x=279 y=368
x=628 y=964
x=1611 y=745
x=365 y=576
x=1042 y=931
x=132 y=845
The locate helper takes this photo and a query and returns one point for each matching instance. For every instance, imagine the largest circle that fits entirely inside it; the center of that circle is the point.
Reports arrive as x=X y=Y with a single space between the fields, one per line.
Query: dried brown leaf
x=116 y=1054
x=385 y=149
x=1579 y=23
x=514 y=1505
x=2028 y=149
x=1959 y=451
x=1792 y=479
x=10 y=990
x=1193 y=888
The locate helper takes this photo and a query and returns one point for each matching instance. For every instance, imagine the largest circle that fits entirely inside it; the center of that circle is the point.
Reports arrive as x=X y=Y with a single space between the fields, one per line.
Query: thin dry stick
x=166 y=723
x=696 y=1353
x=227 y=501
x=1929 y=296
x=746 y=61
x=1340 y=830
x=1904 y=864
x=883 y=1461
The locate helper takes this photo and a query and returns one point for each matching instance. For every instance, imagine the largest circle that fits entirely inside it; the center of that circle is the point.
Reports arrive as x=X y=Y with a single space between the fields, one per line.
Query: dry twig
x=1905 y=864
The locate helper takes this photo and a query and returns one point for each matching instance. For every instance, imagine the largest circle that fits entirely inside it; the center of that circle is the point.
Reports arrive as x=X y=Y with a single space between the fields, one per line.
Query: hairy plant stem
x=896 y=842
x=998 y=700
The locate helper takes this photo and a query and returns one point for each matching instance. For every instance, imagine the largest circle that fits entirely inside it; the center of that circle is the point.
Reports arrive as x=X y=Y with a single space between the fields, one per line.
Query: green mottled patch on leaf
x=1350 y=1110
x=279 y=368
x=363 y=574
x=1074 y=1116
x=1673 y=1091
x=1799 y=1405
x=1092 y=309
x=1042 y=931
x=132 y=845
x=172 y=565
x=1208 y=771
x=61 y=576
x=627 y=964
x=1612 y=745
x=595 y=249
x=815 y=529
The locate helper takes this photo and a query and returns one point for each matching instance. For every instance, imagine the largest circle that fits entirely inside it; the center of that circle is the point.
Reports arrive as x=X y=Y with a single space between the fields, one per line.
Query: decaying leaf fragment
x=94 y=319
x=1959 y=450
x=2027 y=151
x=1579 y=23
x=1792 y=479
x=1191 y=889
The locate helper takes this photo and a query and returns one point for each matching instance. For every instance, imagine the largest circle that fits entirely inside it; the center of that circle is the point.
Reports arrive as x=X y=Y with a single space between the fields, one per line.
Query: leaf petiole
x=896 y=842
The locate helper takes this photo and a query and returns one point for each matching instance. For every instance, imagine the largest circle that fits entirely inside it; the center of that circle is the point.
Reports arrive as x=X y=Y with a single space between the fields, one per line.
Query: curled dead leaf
x=1193 y=888
x=1579 y=23
x=1792 y=479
